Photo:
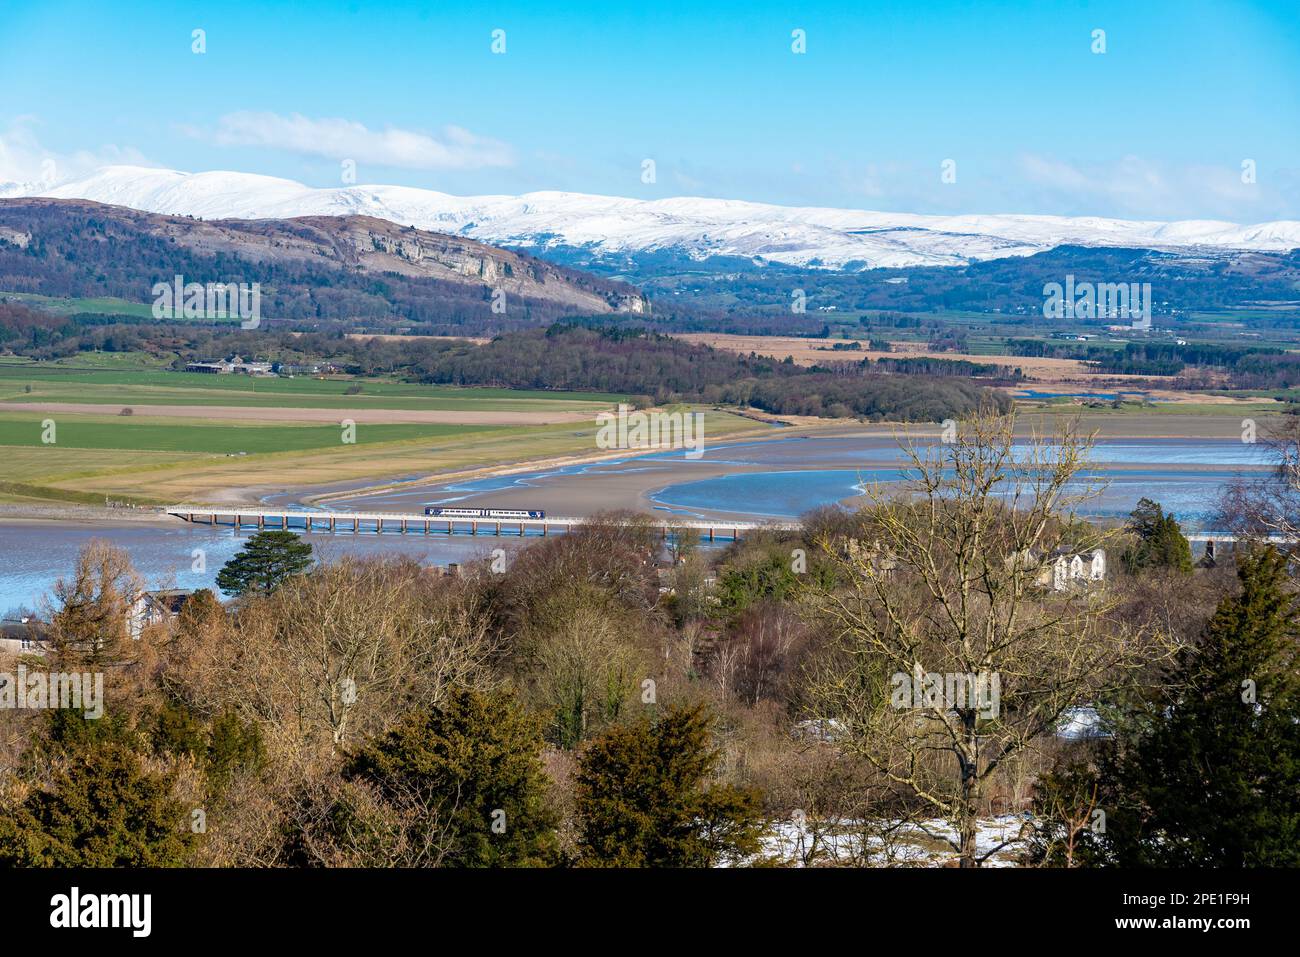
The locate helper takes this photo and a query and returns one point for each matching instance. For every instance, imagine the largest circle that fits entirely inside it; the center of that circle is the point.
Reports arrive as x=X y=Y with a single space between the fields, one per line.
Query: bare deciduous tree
x=90 y=611
x=585 y=663
x=1268 y=506
x=343 y=650
x=952 y=585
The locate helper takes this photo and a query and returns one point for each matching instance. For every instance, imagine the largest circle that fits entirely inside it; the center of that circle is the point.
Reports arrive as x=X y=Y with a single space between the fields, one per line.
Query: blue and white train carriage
x=511 y=514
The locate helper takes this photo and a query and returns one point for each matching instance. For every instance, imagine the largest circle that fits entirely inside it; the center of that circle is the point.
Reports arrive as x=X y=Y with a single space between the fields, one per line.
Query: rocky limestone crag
x=358 y=243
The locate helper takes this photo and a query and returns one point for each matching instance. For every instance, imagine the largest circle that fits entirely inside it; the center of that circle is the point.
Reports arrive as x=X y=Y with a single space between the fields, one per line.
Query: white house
x=1074 y=570
x=152 y=607
x=25 y=634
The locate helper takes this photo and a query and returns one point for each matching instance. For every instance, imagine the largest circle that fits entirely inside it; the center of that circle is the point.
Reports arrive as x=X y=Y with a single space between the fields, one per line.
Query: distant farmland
x=54 y=382
x=215 y=437
x=808 y=352
x=183 y=438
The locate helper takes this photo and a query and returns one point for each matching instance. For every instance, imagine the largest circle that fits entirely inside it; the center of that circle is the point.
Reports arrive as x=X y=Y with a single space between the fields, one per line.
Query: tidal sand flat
x=783 y=478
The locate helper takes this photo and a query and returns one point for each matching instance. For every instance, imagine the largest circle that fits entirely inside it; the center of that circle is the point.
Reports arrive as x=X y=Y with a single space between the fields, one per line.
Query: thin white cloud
x=1124 y=187
x=1137 y=187
x=24 y=160
x=340 y=139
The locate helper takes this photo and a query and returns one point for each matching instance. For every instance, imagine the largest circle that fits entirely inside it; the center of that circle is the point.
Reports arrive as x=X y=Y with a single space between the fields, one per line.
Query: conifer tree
x=466 y=782
x=1212 y=778
x=266 y=560
x=643 y=797
x=102 y=806
x=1161 y=543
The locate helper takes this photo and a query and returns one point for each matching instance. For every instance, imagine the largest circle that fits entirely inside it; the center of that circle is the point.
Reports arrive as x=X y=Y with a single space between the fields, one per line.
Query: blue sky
x=1156 y=127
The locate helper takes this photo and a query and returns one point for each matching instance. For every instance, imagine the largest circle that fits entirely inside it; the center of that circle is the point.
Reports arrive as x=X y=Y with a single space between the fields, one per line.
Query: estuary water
x=33 y=555
x=777 y=479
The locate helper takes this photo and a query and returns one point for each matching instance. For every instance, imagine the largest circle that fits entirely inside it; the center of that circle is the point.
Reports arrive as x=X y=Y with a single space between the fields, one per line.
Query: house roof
x=172 y=599
x=14 y=629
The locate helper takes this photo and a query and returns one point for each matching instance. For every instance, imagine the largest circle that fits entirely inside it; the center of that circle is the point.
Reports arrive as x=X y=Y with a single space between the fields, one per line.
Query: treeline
x=928 y=365
x=571 y=356
x=1156 y=358
x=566 y=356
x=1274 y=371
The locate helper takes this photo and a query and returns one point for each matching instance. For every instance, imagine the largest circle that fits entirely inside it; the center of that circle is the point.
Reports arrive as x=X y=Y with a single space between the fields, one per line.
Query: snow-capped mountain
x=798 y=236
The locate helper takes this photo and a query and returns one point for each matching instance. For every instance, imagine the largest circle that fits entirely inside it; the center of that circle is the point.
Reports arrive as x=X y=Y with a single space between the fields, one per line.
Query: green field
x=218 y=438
x=69 y=306
x=61 y=471
x=161 y=459
x=26 y=381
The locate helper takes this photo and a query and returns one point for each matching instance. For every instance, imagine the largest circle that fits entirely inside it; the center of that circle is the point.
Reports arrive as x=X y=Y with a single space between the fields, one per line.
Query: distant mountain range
x=697 y=229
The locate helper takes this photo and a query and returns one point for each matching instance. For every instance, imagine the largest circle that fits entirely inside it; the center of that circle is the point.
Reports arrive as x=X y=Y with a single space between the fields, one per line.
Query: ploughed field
x=805 y=351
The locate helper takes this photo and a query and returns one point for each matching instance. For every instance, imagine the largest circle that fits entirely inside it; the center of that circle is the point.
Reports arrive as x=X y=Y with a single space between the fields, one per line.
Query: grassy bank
x=160 y=461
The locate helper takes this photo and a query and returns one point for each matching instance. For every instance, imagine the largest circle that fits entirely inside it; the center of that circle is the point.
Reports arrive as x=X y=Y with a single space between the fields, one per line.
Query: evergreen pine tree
x=102 y=806
x=642 y=799
x=1161 y=543
x=266 y=560
x=472 y=767
x=1212 y=779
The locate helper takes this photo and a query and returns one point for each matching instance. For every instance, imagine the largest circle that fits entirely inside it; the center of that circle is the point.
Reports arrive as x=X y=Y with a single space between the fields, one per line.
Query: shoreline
x=786 y=428
x=499 y=471
x=634 y=491
x=76 y=514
